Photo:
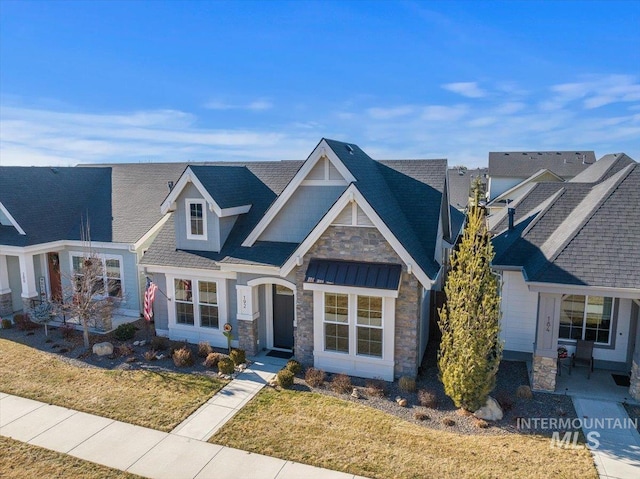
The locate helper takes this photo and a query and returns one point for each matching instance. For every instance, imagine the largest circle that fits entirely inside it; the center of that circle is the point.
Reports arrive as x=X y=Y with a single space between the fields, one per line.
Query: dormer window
x=196 y=219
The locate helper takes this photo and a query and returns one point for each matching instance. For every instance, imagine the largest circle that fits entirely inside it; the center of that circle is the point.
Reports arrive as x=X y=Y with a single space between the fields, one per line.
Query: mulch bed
x=70 y=348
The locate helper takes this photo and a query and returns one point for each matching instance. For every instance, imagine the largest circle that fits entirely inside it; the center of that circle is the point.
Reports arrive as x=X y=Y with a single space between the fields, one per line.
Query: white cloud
x=443 y=113
x=257 y=105
x=594 y=92
x=468 y=89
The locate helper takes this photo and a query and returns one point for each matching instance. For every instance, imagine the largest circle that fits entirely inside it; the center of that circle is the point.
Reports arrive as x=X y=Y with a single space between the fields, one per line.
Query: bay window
x=196 y=303
x=336 y=322
x=208 y=302
x=184 y=302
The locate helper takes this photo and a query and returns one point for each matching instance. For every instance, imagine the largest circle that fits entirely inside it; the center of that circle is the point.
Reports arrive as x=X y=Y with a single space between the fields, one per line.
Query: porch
x=600 y=385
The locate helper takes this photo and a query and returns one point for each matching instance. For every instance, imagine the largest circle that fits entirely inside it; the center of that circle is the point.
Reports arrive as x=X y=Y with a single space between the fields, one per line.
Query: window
x=208 y=304
x=586 y=317
x=196 y=219
x=336 y=322
x=362 y=313
x=107 y=272
x=369 y=326
x=184 y=302
x=114 y=279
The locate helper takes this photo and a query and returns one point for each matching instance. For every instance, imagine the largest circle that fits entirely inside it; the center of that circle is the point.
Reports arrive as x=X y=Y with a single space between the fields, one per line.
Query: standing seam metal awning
x=353 y=273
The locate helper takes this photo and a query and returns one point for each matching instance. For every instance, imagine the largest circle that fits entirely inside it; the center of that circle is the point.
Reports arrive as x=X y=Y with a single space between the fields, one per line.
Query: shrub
x=524 y=392
x=125 y=332
x=427 y=399
x=124 y=350
x=225 y=365
x=183 y=357
x=6 y=323
x=150 y=355
x=67 y=331
x=285 y=378
x=314 y=377
x=211 y=361
x=447 y=421
x=294 y=366
x=376 y=387
x=480 y=423
x=505 y=400
x=421 y=416
x=159 y=343
x=204 y=349
x=407 y=384
x=23 y=322
x=238 y=356
x=341 y=384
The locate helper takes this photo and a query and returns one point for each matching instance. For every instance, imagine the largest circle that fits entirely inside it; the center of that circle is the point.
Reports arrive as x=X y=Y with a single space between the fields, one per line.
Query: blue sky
x=120 y=81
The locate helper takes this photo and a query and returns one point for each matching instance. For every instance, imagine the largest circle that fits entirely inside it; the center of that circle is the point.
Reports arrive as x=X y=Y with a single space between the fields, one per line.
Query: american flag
x=149 y=296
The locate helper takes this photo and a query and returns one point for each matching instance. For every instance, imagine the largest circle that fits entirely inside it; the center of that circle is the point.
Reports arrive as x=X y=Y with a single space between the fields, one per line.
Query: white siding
x=497 y=186
x=519 y=310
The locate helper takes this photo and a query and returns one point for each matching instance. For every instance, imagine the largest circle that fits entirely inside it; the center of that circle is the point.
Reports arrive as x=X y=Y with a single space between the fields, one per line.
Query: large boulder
x=491 y=411
x=103 y=349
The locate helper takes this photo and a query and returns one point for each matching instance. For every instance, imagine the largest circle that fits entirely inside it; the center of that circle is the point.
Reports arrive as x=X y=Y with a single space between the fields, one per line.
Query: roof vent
x=511 y=212
x=350 y=149
x=54 y=171
x=170 y=185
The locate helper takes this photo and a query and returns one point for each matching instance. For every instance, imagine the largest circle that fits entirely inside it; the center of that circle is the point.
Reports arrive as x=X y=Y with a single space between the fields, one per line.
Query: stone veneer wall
x=6 y=304
x=544 y=373
x=248 y=336
x=361 y=244
x=634 y=388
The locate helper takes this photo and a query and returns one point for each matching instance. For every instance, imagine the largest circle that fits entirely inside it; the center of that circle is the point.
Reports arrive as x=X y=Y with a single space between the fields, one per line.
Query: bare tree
x=88 y=297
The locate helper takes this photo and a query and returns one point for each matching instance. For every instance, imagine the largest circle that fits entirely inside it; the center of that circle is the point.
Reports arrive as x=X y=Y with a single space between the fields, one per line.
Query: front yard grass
x=19 y=460
x=337 y=434
x=158 y=400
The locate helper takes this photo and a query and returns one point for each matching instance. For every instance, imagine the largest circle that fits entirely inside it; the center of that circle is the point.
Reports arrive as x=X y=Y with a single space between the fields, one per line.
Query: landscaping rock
x=401 y=402
x=355 y=394
x=491 y=411
x=103 y=349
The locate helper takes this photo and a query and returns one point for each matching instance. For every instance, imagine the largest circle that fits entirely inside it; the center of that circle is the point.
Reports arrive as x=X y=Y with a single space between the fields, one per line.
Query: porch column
x=248 y=318
x=634 y=386
x=545 y=354
x=28 y=280
x=6 y=306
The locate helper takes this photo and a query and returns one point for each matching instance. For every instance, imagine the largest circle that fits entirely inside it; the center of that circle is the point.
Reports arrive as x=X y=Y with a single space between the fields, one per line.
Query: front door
x=53 y=261
x=282 y=317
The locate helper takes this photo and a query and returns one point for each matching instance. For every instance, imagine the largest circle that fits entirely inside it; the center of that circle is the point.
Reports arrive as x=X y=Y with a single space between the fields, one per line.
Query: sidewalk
x=146 y=452
x=213 y=414
x=617 y=455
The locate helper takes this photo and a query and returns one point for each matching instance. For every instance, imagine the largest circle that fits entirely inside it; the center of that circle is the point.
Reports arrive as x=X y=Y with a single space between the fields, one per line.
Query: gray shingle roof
x=417 y=185
x=589 y=235
x=603 y=168
x=409 y=208
x=460 y=184
x=50 y=204
x=522 y=164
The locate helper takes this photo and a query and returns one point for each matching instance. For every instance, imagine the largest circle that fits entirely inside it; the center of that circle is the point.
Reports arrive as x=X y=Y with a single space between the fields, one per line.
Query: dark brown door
x=282 y=317
x=54 y=276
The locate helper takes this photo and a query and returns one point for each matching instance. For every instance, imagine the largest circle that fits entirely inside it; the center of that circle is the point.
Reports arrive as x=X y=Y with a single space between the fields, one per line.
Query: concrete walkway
x=146 y=452
x=213 y=414
x=617 y=455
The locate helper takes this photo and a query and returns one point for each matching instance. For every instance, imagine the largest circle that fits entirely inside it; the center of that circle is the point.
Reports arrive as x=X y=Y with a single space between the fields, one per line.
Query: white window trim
x=584 y=319
x=103 y=258
x=221 y=290
x=388 y=326
x=187 y=205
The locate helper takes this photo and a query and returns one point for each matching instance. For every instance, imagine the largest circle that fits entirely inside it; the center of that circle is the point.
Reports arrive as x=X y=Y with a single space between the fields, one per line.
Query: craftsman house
x=332 y=259
x=569 y=261
x=43 y=212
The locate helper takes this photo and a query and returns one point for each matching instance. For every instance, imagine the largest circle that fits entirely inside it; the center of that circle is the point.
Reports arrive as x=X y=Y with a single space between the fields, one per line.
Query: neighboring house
x=43 y=212
x=333 y=259
x=510 y=168
x=460 y=181
x=569 y=258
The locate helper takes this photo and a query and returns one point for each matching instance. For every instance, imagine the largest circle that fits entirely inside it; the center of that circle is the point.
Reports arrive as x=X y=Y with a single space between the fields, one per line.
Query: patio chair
x=583 y=355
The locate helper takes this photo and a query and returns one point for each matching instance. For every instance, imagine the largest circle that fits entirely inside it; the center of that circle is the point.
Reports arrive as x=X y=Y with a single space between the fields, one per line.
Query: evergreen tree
x=470 y=350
